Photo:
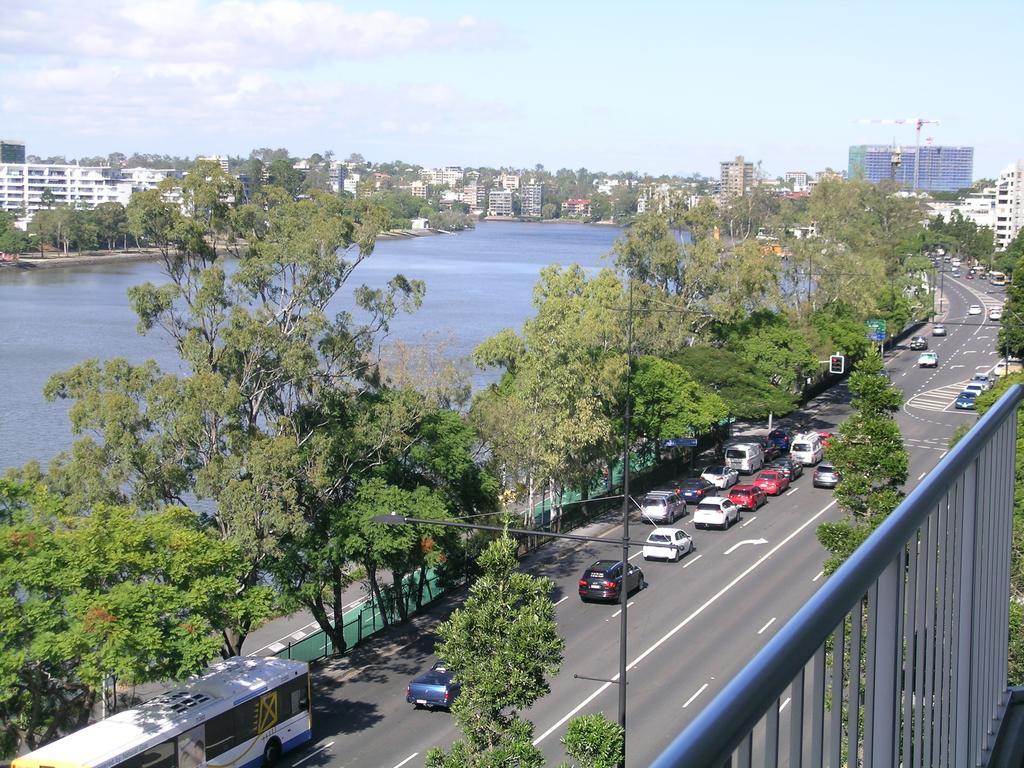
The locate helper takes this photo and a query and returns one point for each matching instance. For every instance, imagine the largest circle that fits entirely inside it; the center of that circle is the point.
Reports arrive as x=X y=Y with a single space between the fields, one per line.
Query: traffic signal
x=836 y=364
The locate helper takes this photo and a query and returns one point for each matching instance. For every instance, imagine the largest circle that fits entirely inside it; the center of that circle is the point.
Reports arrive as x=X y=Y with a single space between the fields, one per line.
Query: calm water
x=478 y=282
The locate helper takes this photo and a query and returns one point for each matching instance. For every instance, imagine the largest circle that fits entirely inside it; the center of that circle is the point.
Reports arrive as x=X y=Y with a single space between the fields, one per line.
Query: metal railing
x=900 y=659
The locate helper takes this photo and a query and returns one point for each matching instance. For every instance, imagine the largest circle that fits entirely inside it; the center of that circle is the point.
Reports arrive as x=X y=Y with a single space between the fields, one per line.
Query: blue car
x=965 y=401
x=693 y=489
x=433 y=689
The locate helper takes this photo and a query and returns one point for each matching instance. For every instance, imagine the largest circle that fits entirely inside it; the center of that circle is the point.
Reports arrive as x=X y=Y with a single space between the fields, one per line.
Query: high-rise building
x=737 y=177
x=933 y=168
x=474 y=196
x=12 y=151
x=508 y=180
x=499 y=202
x=1009 y=204
x=532 y=199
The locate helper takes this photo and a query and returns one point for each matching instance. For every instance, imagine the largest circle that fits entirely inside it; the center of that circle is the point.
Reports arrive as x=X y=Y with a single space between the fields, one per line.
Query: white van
x=745 y=458
x=807 y=449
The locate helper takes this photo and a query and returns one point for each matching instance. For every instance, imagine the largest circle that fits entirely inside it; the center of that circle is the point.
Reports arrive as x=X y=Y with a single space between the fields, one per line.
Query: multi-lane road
x=695 y=624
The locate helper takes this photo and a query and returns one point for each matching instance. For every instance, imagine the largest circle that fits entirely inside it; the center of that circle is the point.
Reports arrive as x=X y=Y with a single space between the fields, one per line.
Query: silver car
x=825 y=476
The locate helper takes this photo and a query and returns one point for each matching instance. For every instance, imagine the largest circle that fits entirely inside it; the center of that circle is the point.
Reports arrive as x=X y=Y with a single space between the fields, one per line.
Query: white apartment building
x=449 y=176
x=508 y=180
x=532 y=199
x=1009 y=204
x=23 y=186
x=499 y=202
x=220 y=160
x=799 y=179
x=474 y=196
x=418 y=189
x=979 y=207
x=351 y=183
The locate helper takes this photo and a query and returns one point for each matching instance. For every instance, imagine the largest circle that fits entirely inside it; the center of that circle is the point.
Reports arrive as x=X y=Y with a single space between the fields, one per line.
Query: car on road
x=771 y=481
x=918 y=343
x=662 y=506
x=771 y=450
x=716 y=512
x=970 y=274
x=983 y=379
x=748 y=496
x=996 y=313
x=667 y=544
x=603 y=580
x=721 y=476
x=938 y=330
x=790 y=468
x=825 y=476
x=955 y=273
x=974 y=386
x=965 y=401
x=826 y=438
x=928 y=360
x=434 y=689
x=781 y=438
x=693 y=489
x=974 y=309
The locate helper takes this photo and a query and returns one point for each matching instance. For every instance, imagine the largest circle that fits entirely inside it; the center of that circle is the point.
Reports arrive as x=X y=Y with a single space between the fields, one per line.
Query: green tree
x=871 y=459
x=111 y=223
x=668 y=402
x=12 y=239
x=740 y=383
x=112 y=593
x=1011 y=332
x=501 y=645
x=594 y=741
x=778 y=350
x=281 y=172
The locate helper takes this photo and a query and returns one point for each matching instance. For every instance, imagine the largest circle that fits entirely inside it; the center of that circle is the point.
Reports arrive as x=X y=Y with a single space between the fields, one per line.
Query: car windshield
x=801 y=447
x=735 y=453
x=658 y=501
x=713 y=504
x=715 y=471
x=694 y=482
x=658 y=537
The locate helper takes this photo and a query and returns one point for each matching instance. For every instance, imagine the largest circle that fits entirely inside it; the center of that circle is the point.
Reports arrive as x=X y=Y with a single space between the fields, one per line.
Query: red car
x=747 y=496
x=826 y=438
x=771 y=481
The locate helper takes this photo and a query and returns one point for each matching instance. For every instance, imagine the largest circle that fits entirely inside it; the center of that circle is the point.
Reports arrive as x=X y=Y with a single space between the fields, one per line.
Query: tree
x=12 y=239
x=741 y=385
x=780 y=352
x=594 y=741
x=111 y=222
x=1011 y=333
x=668 y=402
x=871 y=459
x=282 y=173
x=83 y=598
x=501 y=646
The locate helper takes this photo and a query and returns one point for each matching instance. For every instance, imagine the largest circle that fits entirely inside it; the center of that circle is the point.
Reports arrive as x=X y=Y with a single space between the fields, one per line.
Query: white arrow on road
x=957 y=366
x=739 y=544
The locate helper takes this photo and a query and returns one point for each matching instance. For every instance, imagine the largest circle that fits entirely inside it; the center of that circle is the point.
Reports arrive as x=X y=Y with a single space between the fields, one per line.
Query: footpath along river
x=478 y=282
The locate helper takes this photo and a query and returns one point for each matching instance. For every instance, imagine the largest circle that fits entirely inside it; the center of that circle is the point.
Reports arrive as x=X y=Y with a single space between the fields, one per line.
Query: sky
x=653 y=87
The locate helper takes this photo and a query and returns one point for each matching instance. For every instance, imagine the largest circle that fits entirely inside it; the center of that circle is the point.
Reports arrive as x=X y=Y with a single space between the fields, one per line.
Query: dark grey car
x=825 y=476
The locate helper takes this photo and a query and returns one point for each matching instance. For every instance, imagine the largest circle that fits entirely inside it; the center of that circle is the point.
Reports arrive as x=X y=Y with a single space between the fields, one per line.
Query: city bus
x=240 y=713
x=997 y=278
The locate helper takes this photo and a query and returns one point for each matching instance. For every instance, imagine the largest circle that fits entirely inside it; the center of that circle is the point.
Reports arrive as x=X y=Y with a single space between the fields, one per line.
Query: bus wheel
x=271 y=752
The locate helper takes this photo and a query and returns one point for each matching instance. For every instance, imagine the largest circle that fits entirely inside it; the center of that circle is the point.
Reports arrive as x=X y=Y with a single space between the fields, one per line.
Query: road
x=695 y=624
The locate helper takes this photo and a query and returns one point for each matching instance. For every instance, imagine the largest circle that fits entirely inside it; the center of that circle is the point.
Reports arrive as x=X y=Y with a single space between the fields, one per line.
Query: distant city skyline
x=659 y=87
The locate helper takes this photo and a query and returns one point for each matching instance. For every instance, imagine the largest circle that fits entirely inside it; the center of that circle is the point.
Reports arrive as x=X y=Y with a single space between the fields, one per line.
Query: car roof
x=663 y=532
x=716 y=468
x=602 y=565
x=743 y=488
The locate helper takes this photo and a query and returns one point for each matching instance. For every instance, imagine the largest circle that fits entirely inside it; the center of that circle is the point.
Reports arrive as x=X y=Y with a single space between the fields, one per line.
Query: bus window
x=163 y=755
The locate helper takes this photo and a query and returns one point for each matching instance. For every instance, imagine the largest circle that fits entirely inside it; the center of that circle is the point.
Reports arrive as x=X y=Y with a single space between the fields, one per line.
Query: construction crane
x=917 y=122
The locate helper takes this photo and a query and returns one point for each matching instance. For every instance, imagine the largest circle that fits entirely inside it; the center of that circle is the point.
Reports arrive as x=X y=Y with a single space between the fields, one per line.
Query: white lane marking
x=790 y=493
x=668 y=635
x=700 y=690
x=770 y=622
x=636 y=555
x=749 y=521
x=739 y=544
x=410 y=757
x=562 y=600
x=820 y=574
x=297 y=635
x=784 y=704
x=628 y=605
x=943 y=455
x=921 y=476
x=318 y=751
x=905 y=373
x=691 y=562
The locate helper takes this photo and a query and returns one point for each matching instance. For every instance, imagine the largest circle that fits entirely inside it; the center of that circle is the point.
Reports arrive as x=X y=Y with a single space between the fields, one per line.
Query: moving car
x=676 y=543
x=974 y=309
x=825 y=476
x=965 y=401
x=748 y=496
x=790 y=468
x=996 y=313
x=433 y=689
x=928 y=360
x=662 y=506
x=693 y=489
x=721 y=476
x=717 y=512
x=603 y=579
x=919 y=343
x=771 y=481
x=938 y=330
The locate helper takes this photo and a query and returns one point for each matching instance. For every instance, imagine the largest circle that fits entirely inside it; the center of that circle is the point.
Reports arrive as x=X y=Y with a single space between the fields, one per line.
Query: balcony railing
x=900 y=659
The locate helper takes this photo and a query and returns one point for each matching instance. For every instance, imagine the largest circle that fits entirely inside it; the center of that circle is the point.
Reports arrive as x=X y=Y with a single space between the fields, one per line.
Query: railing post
x=886 y=641
x=964 y=718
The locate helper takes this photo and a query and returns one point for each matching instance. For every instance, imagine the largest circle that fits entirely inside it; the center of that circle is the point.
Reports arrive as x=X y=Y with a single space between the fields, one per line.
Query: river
x=478 y=282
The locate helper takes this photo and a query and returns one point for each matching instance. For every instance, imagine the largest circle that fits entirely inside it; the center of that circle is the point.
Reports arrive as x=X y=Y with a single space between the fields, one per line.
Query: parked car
x=974 y=309
x=965 y=401
x=973 y=386
x=919 y=343
x=667 y=544
x=928 y=360
x=662 y=506
x=996 y=313
x=433 y=689
x=825 y=476
x=717 y=512
x=748 y=496
x=721 y=476
x=771 y=481
x=938 y=330
x=693 y=489
x=603 y=579
x=780 y=438
x=984 y=379
x=791 y=469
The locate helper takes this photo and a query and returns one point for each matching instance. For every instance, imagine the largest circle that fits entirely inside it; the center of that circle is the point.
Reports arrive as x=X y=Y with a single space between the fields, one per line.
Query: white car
x=676 y=543
x=974 y=386
x=983 y=379
x=721 y=476
x=715 y=511
x=995 y=313
x=974 y=309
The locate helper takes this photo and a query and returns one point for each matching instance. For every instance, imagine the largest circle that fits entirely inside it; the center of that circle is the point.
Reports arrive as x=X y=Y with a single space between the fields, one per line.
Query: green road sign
x=876 y=330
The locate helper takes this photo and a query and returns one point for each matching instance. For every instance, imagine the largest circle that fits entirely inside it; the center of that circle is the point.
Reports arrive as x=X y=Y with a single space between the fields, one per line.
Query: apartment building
x=418 y=189
x=499 y=202
x=979 y=207
x=508 y=180
x=474 y=196
x=799 y=180
x=1009 y=204
x=30 y=187
x=576 y=206
x=449 y=176
x=737 y=177
x=532 y=199
x=218 y=159
x=932 y=168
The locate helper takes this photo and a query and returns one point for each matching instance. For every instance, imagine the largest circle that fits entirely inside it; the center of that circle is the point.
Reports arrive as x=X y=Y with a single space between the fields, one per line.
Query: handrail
x=728 y=719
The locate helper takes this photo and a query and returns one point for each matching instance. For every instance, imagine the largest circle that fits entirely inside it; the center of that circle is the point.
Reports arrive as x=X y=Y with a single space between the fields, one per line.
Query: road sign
x=681 y=442
x=876 y=330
